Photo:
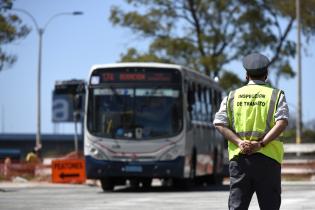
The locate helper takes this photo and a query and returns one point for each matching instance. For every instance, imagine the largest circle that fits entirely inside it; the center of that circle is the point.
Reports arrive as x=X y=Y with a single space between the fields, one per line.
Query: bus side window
x=194 y=102
x=208 y=104
x=216 y=99
x=190 y=98
x=198 y=103
x=203 y=105
x=213 y=101
x=219 y=98
x=190 y=103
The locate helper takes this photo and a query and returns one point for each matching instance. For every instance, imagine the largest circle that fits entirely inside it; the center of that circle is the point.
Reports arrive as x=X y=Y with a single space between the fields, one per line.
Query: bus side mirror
x=78 y=103
x=77 y=116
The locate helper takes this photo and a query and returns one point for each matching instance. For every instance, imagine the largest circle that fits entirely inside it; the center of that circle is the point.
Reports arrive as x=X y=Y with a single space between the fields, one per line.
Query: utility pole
x=2 y=118
x=299 y=76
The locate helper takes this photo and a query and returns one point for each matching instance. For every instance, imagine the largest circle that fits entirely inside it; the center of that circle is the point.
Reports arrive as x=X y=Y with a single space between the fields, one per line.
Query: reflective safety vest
x=251 y=111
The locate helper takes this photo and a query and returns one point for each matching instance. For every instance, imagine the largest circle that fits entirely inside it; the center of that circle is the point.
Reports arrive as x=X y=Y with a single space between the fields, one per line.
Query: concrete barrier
x=305 y=148
x=299 y=161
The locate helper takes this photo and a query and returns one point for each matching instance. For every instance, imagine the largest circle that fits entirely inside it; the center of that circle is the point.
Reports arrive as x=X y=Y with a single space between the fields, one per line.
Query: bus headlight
x=97 y=154
x=171 y=154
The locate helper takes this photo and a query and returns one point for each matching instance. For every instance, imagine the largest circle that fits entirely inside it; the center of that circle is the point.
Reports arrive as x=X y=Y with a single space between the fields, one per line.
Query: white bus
x=151 y=120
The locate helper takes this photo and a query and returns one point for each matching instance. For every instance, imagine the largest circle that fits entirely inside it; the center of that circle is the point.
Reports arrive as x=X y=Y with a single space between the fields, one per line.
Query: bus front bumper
x=97 y=169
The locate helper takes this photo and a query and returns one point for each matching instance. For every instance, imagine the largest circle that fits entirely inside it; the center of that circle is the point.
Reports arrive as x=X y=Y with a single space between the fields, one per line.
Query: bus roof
x=136 y=64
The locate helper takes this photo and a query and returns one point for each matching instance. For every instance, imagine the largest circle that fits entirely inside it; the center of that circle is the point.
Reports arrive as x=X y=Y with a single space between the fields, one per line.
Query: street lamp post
x=40 y=31
x=299 y=76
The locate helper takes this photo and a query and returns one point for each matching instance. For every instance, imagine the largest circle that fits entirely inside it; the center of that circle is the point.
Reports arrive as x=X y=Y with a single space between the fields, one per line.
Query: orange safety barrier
x=9 y=169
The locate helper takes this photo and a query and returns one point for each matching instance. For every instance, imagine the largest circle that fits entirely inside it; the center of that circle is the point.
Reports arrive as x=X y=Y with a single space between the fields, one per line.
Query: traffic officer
x=252 y=119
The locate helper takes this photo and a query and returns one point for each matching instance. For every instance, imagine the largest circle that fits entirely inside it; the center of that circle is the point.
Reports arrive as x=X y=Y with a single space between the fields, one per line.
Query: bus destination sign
x=109 y=76
x=131 y=77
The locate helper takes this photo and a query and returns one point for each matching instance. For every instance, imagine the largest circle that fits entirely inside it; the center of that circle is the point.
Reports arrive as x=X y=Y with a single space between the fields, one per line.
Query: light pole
x=299 y=76
x=40 y=31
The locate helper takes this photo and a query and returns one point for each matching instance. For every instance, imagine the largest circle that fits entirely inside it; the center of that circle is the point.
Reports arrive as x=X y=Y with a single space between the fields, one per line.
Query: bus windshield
x=135 y=112
x=135 y=103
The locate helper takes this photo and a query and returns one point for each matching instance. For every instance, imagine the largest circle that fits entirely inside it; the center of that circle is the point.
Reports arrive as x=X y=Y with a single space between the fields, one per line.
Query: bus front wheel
x=107 y=184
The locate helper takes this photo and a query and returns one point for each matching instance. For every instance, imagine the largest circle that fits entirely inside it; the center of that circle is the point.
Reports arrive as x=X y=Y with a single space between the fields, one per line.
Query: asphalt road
x=35 y=196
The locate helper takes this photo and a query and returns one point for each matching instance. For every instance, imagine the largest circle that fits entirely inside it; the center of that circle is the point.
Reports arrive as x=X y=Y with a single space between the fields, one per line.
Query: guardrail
x=306 y=148
x=299 y=161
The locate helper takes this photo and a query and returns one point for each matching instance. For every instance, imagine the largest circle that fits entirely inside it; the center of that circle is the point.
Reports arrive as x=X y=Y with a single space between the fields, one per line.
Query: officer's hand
x=254 y=147
x=245 y=146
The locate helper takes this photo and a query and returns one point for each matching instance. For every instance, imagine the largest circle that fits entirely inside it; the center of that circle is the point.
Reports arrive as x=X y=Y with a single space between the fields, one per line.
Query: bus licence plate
x=133 y=168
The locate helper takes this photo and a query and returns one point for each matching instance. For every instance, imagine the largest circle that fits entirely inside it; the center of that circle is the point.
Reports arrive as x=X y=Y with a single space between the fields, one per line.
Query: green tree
x=11 y=29
x=208 y=34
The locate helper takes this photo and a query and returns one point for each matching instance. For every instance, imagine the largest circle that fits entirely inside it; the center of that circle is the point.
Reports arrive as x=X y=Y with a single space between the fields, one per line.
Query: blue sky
x=71 y=45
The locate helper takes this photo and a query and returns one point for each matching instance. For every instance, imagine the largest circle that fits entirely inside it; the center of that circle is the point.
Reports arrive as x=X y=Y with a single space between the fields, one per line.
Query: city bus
x=147 y=121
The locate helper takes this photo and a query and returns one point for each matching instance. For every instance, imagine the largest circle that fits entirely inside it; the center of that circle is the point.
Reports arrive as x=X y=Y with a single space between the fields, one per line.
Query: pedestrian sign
x=68 y=171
